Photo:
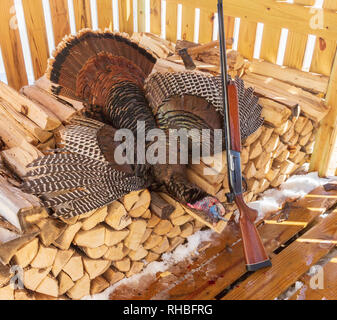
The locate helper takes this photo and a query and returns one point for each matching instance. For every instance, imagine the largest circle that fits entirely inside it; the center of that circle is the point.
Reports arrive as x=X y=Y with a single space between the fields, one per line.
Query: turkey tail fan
x=78 y=178
x=92 y=58
x=192 y=100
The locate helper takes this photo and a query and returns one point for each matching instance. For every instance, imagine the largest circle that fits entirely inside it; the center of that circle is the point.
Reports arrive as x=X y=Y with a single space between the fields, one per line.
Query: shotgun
x=255 y=254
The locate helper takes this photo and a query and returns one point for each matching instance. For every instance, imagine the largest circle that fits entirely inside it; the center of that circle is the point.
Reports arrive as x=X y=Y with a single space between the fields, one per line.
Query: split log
x=253 y=137
x=95 y=268
x=303 y=140
x=44 y=258
x=279 y=179
x=175 y=242
x=7 y=293
x=15 y=205
x=97 y=217
x=61 y=259
x=10 y=248
x=142 y=204
x=152 y=241
x=33 y=277
x=48 y=286
x=137 y=230
x=249 y=172
x=163 y=227
x=117 y=217
x=179 y=221
x=92 y=238
x=311 y=105
x=98 y=285
x=63 y=111
x=179 y=210
x=153 y=221
x=272 y=143
x=160 y=207
x=274 y=113
x=308 y=128
x=152 y=257
x=147 y=234
x=24 y=256
x=309 y=81
x=80 y=289
x=266 y=134
x=64 y=241
x=74 y=267
x=50 y=230
x=210 y=174
x=123 y=265
x=113 y=237
x=5 y=274
x=186 y=230
x=139 y=254
x=162 y=247
x=284 y=127
x=174 y=232
x=42 y=117
x=146 y=214
x=202 y=183
x=300 y=124
x=23 y=295
x=65 y=283
x=96 y=253
x=23 y=123
x=136 y=267
x=113 y=276
x=255 y=150
x=116 y=253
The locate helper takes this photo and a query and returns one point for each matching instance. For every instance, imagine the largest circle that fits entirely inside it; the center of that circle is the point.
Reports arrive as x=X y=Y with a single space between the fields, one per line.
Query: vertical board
x=206 y=26
x=82 y=14
x=325 y=49
x=37 y=35
x=141 y=15
x=187 y=23
x=104 y=13
x=125 y=8
x=324 y=157
x=155 y=15
x=296 y=44
x=171 y=20
x=11 y=48
x=247 y=36
x=60 y=19
x=229 y=25
x=270 y=43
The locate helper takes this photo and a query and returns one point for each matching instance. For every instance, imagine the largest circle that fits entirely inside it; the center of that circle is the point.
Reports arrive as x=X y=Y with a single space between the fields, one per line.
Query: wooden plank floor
x=209 y=274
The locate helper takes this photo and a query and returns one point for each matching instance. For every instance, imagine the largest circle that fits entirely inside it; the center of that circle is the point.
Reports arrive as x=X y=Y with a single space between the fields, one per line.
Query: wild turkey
x=111 y=75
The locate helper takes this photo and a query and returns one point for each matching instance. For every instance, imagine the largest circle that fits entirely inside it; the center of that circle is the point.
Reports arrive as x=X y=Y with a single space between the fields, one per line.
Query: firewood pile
x=70 y=259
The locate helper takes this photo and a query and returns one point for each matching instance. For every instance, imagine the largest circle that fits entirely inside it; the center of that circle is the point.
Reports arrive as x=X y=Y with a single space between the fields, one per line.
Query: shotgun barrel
x=255 y=254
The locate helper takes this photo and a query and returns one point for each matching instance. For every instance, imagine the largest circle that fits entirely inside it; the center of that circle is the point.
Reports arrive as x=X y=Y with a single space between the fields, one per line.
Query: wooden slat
x=10 y=43
x=325 y=49
x=324 y=157
x=60 y=19
x=289 y=264
x=37 y=36
x=82 y=14
x=141 y=15
x=105 y=14
x=222 y=263
x=270 y=43
x=187 y=24
x=329 y=290
x=125 y=8
x=282 y=15
x=229 y=25
x=296 y=45
x=247 y=37
x=171 y=20
x=155 y=11
x=206 y=26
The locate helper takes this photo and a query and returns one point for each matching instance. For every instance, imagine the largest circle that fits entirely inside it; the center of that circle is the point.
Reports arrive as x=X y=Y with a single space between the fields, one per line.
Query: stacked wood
x=72 y=258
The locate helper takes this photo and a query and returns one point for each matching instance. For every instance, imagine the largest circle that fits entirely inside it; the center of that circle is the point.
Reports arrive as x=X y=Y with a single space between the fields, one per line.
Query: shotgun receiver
x=255 y=254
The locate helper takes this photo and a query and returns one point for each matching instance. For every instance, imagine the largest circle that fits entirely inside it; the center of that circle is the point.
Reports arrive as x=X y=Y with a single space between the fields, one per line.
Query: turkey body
x=111 y=75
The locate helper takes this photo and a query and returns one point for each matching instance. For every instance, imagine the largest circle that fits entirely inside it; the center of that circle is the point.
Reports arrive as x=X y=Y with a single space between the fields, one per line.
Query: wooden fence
x=301 y=18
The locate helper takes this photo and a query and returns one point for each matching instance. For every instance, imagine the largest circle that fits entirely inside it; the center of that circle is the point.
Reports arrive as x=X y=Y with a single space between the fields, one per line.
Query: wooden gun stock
x=255 y=254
